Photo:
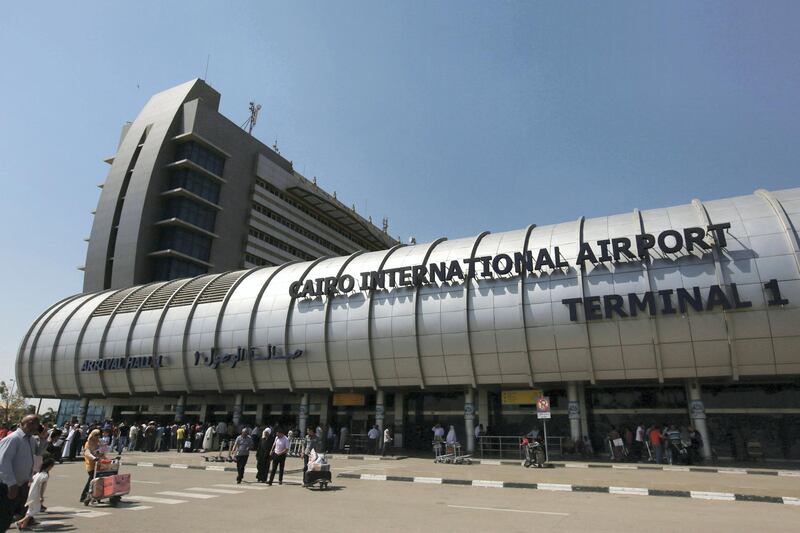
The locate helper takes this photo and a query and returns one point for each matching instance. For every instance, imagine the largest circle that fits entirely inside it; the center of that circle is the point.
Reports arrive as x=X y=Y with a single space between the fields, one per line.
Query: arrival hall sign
x=619 y=249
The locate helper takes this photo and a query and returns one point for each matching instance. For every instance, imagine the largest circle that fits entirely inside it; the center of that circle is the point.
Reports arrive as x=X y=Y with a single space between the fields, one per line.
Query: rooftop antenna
x=385 y=224
x=250 y=123
x=275 y=146
x=208 y=60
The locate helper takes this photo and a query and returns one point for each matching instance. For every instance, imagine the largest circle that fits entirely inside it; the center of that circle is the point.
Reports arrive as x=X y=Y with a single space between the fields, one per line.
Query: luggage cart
x=108 y=483
x=318 y=472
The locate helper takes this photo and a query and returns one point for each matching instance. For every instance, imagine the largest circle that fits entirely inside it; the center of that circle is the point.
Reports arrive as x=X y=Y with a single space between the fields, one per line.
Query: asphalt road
x=164 y=499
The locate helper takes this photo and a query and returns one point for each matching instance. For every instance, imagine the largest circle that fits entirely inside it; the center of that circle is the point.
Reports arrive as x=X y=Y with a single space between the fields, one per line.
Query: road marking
x=791 y=501
x=134 y=507
x=374 y=477
x=250 y=470
x=789 y=473
x=702 y=495
x=625 y=467
x=144 y=464
x=148 y=482
x=487 y=483
x=216 y=468
x=576 y=465
x=49 y=523
x=490 y=462
x=676 y=469
x=187 y=494
x=635 y=491
x=433 y=480
x=83 y=513
x=179 y=465
x=151 y=499
x=553 y=486
x=248 y=487
x=731 y=471
x=507 y=510
x=215 y=491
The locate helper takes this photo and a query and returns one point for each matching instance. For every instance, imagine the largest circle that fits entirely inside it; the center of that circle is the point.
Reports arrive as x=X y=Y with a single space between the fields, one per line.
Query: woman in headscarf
x=91 y=453
x=451 y=436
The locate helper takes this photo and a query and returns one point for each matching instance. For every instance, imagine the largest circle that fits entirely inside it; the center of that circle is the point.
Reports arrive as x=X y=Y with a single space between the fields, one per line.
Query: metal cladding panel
x=498 y=329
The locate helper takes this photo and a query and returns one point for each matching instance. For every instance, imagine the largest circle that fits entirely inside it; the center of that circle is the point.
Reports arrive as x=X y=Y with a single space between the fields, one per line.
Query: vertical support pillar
x=399 y=417
x=180 y=408
x=260 y=414
x=574 y=411
x=697 y=414
x=380 y=413
x=204 y=413
x=83 y=410
x=303 y=416
x=325 y=399
x=584 y=415
x=108 y=411
x=469 y=418
x=237 y=411
x=483 y=408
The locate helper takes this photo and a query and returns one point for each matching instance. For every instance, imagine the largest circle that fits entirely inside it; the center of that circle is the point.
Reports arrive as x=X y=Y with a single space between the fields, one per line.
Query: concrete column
x=469 y=419
x=483 y=408
x=204 y=413
x=260 y=413
x=323 y=410
x=83 y=410
x=697 y=414
x=399 y=415
x=180 y=408
x=380 y=414
x=582 y=400
x=303 y=417
x=574 y=411
x=237 y=411
x=108 y=411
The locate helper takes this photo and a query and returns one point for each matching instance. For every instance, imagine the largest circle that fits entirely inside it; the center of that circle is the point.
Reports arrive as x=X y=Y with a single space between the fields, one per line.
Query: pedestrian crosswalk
x=58 y=517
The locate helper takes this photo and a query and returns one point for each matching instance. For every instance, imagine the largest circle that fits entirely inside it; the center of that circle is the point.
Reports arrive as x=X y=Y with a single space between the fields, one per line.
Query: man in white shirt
x=373 y=435
x=278 y=452
x=387 y=442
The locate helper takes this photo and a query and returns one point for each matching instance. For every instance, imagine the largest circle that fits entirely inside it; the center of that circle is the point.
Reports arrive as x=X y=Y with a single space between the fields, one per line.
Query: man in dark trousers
x=279 y=450
x=16 y=466
x=241 y=450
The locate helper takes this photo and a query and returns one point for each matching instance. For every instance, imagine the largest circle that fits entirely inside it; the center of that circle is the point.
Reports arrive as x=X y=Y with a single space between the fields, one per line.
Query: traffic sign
x=543 y=407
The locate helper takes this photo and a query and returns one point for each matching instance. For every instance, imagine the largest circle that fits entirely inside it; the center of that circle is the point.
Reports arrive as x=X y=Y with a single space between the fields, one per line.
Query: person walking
x=180 y=435
x=655 y=443
x=312 y=443
x=35 y=498
x=17 y=451
x=373 y=435
x=262 y=454
x=241 y=450
x=280 y=447
x=388 y=438
x=91 y=454
x=133 y=436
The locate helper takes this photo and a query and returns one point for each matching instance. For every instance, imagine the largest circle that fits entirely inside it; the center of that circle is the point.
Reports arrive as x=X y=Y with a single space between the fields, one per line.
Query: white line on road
x=434 y=480
x=182 y=466
x=702 y=495
x=553 y=486
x=135 y=507
x=791 y=501
x=487 y=483
x=83 y=513
x=247 y=487
x=576 y=465
x=187 y=494
x=490 y=462
x=507 y=510
x=215 y=491
x=374 y=477
x=635 y=491
x=216 y=468
x=148 y=482
x=151 y=499
x=144 y=464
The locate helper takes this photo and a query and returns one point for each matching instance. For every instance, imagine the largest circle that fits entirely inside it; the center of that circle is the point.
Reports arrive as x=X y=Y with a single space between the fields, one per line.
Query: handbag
x=187 y=444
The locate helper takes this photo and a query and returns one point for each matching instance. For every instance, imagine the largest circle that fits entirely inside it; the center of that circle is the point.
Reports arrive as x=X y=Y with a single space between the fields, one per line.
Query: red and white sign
x=543 y=407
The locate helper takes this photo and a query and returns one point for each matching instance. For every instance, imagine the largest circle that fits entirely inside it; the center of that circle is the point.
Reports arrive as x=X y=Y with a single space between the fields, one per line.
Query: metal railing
x=508 y=446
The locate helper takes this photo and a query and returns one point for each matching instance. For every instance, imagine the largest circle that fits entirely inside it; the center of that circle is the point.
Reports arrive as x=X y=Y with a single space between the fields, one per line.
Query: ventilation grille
x=219 y=288
x=187 y=293
x=161 y=295
x=135 y=300
x=108 y=305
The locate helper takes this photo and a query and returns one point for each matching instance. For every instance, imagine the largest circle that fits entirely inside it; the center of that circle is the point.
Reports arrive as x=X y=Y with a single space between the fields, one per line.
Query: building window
x=191 y=212
x=257 y=261
x=201 y=155
x=282 y=245
x=266 y=211
x=186 y=242
x=194 y=182
x=168 y=268
x=304 y=209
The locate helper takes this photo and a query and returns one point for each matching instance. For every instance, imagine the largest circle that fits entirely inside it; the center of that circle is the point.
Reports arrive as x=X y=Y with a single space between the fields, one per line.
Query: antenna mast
x=250 y=123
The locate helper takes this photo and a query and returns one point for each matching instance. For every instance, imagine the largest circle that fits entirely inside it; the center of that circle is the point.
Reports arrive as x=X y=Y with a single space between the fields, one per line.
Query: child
x=36 y=493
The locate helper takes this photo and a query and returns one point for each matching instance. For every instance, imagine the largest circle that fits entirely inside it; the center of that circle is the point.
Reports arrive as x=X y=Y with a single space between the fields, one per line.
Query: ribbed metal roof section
x=132 y=303
x=187 y=293
x=162 y=295
x=219 y=287
x=110 y=303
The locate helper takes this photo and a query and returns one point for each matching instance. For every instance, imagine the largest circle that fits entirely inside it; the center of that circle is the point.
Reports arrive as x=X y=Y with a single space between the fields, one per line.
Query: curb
x=664 y=468
x=367 y=457
x=628 y=491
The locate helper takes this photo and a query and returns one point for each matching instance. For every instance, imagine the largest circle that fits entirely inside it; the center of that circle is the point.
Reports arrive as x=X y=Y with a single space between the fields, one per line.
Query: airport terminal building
x=686 y=314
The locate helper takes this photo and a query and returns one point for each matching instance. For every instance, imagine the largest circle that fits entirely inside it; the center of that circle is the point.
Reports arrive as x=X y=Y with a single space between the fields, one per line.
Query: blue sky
x=450 y=118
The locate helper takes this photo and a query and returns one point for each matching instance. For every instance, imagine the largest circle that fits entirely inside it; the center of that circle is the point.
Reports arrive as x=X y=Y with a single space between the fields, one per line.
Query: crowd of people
x=657 y=443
